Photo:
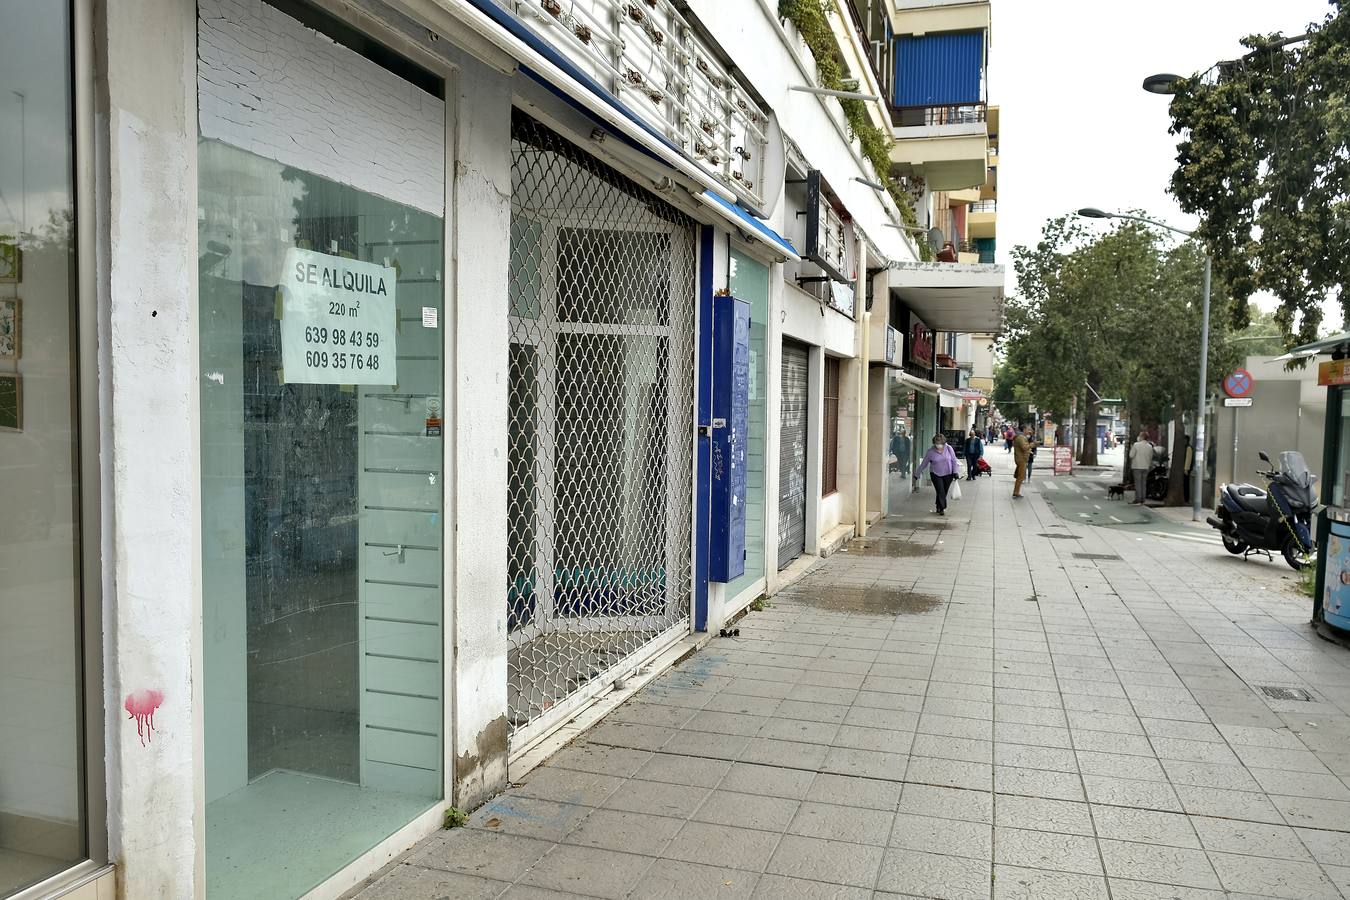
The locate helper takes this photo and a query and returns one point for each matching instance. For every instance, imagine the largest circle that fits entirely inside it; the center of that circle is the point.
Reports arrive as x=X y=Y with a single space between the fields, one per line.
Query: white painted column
x=147 y=285
x=479 y=239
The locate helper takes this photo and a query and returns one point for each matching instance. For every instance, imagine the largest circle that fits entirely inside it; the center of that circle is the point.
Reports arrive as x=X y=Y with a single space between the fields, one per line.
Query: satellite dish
x=775 y=165
x=936 y=239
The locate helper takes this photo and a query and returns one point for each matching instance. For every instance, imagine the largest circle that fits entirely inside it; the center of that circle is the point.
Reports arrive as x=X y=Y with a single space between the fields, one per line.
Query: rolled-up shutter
x=792 y=455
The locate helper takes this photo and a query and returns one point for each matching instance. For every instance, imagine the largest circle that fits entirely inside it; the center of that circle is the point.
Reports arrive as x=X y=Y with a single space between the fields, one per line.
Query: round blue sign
x=1239 y=384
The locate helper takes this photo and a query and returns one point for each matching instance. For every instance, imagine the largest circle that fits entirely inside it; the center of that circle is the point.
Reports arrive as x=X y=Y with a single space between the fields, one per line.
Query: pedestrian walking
x=1008 y=437
x=940 y=461
x=1141 y=460
x=1021 y=459
x=902 y=447
x=974 y=450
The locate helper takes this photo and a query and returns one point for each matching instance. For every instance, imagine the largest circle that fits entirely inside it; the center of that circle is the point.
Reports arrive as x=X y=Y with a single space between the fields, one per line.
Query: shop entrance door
x=792 y=454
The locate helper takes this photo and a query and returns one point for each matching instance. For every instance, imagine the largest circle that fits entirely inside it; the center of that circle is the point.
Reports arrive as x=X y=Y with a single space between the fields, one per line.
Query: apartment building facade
x=381 y=381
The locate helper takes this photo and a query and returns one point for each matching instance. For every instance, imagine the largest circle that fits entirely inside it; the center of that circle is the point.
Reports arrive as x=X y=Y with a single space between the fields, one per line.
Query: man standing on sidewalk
x=974 y=449
x=1141 y=460
x=1021 y=456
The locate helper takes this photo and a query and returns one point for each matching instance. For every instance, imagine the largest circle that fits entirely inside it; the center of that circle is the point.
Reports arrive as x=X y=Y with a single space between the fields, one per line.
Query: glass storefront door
x=322 y=488
x=43 y=813
x=749 y=281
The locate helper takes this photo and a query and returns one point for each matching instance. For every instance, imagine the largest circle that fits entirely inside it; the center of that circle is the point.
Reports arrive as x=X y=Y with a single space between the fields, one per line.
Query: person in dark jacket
x=974 y=450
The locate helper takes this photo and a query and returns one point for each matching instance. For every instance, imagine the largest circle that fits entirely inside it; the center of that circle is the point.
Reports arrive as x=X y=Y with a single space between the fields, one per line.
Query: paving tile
x=669 y=879
x=1235 y=778
x=1127 y=889
x=612 y=829
x=1158 y=795
x=1038 y=783
x=530 y=892
x=865 y=763
x=529 y=817
x=954 y=837
x=956 y=726
x=600 y=760
x=845 y=790
x=944 y=747
x=1145 y=826
x=1272 y=877
x=950 y=773
x=1153 y=862
x=628 y=734
x=1301 y=784
x=725 y=723
x=890 y=719
x=1046 y=850
x=841 y=823
x=1307 y=812
x=857 y=737
x=799 y=730
x=587 y=870
x=741 y=848
x=834 y=862
x=934 y=875
x=1110 y=742
x=565 y=786
x=789 y=754
x=778 y=887
x=408 y=882
x=658 y=798
x=689 y=770
x=1250 y=838
x=949 y=803
x=1120 y=765
x=502 y=857
x=1013 y=883
x=747 y=811
x=1246 y=805
x=706 y=744
x=1037 y=813
x=1024 y=756
x=747 y=778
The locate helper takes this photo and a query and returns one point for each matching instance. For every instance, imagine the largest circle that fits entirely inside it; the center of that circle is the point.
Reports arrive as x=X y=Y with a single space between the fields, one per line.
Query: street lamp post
x=1198 y=449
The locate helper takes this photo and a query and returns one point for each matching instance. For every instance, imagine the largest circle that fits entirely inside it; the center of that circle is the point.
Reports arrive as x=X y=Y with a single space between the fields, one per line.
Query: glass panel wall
x=322 y=497
x=749 y=281
x=320 y=298
x=42 y=804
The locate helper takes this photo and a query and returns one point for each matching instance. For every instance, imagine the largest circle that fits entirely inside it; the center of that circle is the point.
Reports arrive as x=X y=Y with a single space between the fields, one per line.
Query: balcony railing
x=646 y=53
x=920 y=116
x=984 y=206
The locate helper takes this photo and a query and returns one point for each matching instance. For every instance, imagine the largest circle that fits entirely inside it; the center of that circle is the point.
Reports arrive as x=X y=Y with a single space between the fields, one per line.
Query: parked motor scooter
x=1251 y=520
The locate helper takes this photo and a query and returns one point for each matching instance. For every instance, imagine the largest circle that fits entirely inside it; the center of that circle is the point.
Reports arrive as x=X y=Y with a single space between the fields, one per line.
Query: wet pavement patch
x=1062 y=537
x=1095 y=556
x=874 y=600
x=891 y=548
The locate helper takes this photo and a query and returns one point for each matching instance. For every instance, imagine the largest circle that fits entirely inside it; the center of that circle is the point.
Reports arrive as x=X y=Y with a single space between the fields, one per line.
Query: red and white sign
x=1239 y=384
x=1063 y=461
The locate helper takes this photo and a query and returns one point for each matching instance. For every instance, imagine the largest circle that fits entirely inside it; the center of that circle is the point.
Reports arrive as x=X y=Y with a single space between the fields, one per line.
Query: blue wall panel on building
x=939 y=69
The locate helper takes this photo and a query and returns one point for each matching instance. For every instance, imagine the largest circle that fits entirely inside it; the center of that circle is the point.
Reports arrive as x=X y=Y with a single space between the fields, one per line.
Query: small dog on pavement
x=1115 y=492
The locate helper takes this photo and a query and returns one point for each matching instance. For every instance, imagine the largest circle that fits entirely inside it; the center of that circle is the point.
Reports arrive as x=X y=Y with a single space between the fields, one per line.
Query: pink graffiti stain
x=142 y=705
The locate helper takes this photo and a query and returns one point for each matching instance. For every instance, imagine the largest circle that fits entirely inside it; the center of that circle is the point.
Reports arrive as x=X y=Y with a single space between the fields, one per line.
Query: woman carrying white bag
x=940 y=461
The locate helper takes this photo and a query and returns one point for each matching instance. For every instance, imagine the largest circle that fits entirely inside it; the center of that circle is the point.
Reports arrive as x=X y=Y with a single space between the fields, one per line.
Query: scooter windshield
x=1294 y=475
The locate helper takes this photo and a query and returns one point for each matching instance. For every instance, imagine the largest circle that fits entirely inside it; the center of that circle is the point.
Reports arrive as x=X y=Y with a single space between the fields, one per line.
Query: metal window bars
x=646 y=53
x=600 y=425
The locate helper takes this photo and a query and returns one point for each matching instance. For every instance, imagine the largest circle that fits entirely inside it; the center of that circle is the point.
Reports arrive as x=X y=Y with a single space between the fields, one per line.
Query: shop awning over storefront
x=741 y=218
x=918 y=384
x=964 y=298
x=949 y=399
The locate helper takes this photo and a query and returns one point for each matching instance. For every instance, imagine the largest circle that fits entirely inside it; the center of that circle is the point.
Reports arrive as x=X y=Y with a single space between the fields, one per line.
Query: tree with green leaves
x=1119 y=311
x=1262 y=160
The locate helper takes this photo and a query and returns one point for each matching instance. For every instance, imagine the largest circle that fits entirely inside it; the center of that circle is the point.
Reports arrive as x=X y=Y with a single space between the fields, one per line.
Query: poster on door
x=338 y=320
x=1063 y=461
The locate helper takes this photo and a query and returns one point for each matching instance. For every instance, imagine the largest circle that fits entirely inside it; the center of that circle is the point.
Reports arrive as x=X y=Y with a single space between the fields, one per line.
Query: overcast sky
x=1076 y=128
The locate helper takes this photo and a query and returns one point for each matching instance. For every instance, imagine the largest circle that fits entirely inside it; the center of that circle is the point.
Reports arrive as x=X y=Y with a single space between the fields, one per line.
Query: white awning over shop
x=965 y=298
x=926 y=387
x=949 y=399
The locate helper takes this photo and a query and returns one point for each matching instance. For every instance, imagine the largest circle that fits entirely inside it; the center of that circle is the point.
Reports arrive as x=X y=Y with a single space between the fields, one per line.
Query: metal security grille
x=792 y=454
x=600 y=424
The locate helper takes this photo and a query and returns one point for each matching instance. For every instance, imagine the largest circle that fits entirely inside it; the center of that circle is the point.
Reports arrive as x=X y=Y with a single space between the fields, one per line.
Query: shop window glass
x=320 y=299
x=42 y=804
x=749 y=281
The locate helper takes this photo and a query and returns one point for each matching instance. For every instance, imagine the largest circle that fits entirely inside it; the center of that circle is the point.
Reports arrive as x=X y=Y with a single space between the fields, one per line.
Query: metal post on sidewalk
x=1198 y=446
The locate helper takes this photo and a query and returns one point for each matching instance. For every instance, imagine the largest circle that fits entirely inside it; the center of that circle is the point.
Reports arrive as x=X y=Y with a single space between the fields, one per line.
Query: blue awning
x=743 y=220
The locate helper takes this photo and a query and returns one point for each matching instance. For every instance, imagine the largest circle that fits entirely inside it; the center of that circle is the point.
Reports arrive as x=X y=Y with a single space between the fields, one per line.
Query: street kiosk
x=1331 y=596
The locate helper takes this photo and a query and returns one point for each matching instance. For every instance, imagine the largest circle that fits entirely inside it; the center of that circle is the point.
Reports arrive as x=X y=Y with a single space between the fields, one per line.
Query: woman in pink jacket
x=940 y=461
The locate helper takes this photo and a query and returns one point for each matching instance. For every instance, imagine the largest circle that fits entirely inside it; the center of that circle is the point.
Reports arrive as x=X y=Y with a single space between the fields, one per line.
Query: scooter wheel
x=1294 y=555
x=1234 y=546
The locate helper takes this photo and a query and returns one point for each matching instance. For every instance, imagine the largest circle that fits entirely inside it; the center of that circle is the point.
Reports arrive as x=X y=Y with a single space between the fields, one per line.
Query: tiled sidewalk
x=996 y=704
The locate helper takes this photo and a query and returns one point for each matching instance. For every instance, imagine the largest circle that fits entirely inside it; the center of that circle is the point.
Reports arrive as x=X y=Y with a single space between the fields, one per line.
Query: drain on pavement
x=1062 y=537
x=1095 y=556
x=1284 y=693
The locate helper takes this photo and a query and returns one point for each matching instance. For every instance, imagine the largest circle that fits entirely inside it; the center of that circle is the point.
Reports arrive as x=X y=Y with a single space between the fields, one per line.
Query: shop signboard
x=338 y=321
x=1333 y=372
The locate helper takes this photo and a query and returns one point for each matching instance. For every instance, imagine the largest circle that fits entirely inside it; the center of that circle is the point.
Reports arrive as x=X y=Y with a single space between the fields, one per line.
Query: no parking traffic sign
x=1239 y=384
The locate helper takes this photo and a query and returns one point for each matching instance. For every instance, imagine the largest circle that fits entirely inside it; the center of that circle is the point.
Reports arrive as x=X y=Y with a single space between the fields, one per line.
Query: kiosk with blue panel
x=1331 y=596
